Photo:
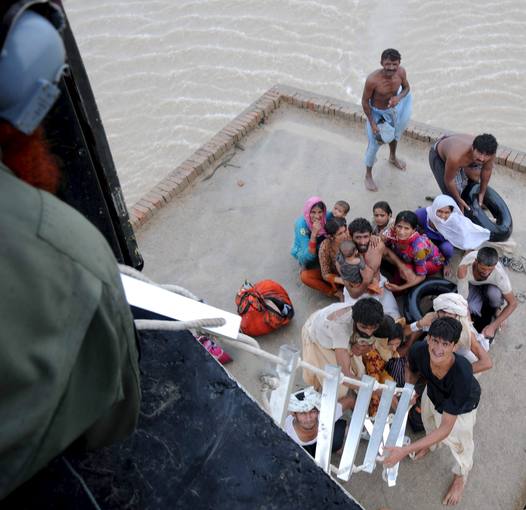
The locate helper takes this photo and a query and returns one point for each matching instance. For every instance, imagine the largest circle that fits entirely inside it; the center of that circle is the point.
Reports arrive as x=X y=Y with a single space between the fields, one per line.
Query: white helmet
x=32 y=61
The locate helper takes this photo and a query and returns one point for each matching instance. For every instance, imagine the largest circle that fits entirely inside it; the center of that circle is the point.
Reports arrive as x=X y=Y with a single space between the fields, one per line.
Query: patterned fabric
x=418 y=251
x=375 y=366
x=327 y=258
x=396 y=369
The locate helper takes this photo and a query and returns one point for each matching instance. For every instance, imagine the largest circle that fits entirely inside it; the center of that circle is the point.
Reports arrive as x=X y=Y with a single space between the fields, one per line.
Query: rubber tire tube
x=502 y=229
x=431 y=287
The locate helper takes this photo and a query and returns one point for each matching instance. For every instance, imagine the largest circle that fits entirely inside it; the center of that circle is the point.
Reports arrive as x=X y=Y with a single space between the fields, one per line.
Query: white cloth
x=454 y=303
x=311 y=400
x=315 y=354
x=387 y=299
x=498 y=277
x=460 y=231
x=451 y=302
x=459 y=440
x=291 y=431
x=331 y=327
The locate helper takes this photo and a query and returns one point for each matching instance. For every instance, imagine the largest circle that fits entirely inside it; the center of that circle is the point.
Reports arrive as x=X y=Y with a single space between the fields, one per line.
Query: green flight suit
x=68 y=358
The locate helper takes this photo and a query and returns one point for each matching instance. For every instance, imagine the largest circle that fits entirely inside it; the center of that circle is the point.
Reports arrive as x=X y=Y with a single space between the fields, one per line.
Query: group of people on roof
x=366 y=266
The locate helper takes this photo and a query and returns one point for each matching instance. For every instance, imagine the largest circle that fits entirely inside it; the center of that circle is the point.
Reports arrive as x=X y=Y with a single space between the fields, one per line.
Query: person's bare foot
x=370 y=184
x=456 y=489
x=420 y=454
x=398 y=163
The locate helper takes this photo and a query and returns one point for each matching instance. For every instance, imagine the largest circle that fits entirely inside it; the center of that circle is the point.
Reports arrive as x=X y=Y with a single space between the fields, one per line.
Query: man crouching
x=449 y=402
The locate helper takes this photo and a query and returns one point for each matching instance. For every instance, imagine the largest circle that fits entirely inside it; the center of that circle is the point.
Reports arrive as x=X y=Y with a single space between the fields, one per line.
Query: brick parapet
x=212 y=152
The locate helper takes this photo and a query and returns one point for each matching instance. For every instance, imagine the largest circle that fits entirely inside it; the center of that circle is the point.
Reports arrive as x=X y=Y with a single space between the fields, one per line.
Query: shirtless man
x=374 y=250
x=385 y=98
x=458 y=159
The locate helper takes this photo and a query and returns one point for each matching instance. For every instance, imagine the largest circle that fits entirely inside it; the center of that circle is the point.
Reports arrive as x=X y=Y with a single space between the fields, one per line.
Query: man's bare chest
x=387 y=88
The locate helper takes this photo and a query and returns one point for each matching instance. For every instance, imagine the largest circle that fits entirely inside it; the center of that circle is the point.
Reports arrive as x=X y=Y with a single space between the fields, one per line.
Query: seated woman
x=309 y=232
x=428 y=217
x=447 y=227
x=414 y=249
x=336 y=229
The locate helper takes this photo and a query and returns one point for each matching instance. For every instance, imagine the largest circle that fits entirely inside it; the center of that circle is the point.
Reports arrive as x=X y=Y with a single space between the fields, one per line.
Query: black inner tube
x=502 y=229
x=431 y=287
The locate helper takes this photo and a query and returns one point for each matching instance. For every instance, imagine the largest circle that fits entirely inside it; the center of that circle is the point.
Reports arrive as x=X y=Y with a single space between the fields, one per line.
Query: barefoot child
x=449 y=402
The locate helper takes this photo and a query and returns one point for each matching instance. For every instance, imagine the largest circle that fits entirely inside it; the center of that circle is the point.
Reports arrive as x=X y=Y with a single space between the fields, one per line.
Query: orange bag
x=264 y=307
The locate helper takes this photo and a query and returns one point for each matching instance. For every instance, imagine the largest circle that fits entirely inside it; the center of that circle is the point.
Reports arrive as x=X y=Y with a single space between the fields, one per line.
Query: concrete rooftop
x=236 y=222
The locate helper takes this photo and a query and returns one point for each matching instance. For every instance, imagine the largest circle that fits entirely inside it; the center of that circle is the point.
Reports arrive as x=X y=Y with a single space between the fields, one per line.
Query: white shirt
x=332 y=326
x=498 y=277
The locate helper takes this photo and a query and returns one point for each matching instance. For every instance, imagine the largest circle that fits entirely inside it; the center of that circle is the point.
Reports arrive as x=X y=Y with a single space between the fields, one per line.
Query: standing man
x=459 y=159
x=68 y=356
x=483 y=281
x=449 y=402
x=387 y=103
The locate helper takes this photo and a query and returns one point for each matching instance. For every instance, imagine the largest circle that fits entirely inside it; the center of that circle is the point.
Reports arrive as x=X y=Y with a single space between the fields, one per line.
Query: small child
x=384 y=362
x=350 y=263
x=340 y=210
x=396 y=364
x=382 y=218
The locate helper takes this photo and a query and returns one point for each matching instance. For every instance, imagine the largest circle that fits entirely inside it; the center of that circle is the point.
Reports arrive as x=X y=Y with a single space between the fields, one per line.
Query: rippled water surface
x=169 y=74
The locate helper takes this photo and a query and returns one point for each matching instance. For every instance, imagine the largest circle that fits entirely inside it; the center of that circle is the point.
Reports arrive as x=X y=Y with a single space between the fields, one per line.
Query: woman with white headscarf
x=447 y=227
x=454 y=305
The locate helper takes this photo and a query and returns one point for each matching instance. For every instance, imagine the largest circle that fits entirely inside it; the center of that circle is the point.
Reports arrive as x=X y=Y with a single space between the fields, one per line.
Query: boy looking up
x=449 y=402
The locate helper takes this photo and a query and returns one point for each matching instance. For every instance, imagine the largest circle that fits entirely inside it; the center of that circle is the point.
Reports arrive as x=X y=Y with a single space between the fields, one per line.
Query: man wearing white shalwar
x=449 y=402
x=340 y=334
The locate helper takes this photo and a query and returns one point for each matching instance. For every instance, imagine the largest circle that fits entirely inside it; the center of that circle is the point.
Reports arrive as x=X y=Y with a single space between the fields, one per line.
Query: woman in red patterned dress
x=416 y=250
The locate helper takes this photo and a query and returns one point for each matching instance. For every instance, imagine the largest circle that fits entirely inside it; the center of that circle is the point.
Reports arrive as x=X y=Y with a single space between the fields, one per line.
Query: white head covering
x=311 y=399
x=451 y=302
x=454 y=303
x=460 y=231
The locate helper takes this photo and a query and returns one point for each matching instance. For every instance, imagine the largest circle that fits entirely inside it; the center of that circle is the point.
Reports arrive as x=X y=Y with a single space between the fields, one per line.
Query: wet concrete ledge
x=213 y=152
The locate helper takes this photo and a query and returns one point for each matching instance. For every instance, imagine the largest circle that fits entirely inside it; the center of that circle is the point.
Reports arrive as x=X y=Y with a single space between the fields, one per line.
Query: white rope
x=255 y=350
x=84 y=485
x=269 y=383
x=130 y=271
x=160 y=325
x=176 y=289
x=243 y=341
x=343 y=379
x=248 y=340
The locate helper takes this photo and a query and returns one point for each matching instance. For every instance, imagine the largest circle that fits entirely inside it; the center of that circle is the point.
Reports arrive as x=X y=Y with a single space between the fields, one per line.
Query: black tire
x=502 y=229
x=431 y=287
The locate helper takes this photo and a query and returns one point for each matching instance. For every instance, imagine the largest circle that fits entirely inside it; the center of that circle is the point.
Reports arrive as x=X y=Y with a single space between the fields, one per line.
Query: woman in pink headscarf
x=309 y=232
